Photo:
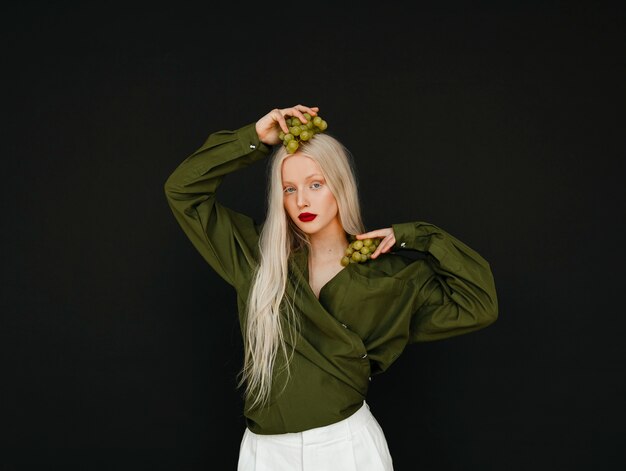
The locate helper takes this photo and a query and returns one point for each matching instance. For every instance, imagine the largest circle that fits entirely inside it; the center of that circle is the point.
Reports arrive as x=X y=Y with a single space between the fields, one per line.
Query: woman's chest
x=367 y=303
x=321 y=274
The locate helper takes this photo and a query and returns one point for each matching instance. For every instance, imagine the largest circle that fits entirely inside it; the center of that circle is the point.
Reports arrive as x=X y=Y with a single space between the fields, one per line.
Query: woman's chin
x=308 y=227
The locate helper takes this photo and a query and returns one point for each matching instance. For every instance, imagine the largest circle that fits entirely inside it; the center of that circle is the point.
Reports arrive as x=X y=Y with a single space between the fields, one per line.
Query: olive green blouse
x=365 y=315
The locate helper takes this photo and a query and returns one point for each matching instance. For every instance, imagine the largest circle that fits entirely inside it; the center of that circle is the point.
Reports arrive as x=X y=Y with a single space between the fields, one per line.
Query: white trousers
x=353 y=444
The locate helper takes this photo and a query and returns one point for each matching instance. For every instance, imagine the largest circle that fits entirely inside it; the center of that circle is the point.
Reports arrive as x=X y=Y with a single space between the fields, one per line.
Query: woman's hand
x=385 y=245
x=266 y=126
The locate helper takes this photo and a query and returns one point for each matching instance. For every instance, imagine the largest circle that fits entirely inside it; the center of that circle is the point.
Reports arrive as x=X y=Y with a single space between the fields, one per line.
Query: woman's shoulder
x=395 y=261
x=390 y=264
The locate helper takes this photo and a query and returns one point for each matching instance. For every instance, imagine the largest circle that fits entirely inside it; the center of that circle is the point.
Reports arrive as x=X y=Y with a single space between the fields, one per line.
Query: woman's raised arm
x=226 y=239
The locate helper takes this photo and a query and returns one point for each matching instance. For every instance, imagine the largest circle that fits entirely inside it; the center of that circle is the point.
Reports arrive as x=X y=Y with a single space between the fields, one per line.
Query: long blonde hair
x=279 y=236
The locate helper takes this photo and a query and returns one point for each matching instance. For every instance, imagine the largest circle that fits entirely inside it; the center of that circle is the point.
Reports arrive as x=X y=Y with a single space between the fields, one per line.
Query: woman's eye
x=315 y=186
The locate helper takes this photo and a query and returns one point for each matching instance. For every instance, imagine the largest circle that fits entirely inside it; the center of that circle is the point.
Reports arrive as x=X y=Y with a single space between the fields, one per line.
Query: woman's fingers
x=266 y=125
x=279 y=117
x=385 y=245
x=299 y=110
x=377 y=233
x=298 y=114
x=305 y=109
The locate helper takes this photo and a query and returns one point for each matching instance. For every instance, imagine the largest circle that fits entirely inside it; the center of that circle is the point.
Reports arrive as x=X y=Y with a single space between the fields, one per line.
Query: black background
x=503 y=125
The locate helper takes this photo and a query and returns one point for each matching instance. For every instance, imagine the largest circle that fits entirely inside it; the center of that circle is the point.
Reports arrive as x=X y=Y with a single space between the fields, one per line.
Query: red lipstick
x=307 y=217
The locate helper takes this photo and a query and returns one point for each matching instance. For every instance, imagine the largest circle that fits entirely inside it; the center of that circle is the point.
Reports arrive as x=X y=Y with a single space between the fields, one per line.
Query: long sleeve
x=226 y=239
x=453 y=288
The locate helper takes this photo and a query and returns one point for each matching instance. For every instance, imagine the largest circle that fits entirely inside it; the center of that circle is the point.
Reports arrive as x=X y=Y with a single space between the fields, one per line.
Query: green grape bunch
x=300 y=132
x=359 y=251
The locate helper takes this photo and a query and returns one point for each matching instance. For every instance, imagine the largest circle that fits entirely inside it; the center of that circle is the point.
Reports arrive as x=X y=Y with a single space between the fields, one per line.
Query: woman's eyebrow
x=307 y=178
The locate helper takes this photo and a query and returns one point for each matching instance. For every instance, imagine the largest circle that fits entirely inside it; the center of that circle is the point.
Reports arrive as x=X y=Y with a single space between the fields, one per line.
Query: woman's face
x=305 y=191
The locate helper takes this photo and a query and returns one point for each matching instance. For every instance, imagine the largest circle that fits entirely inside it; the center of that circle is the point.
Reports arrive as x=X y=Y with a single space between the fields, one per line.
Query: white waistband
x=338 y=431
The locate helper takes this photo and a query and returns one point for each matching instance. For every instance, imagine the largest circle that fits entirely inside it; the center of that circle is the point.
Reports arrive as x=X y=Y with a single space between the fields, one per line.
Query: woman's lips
x=307 y=217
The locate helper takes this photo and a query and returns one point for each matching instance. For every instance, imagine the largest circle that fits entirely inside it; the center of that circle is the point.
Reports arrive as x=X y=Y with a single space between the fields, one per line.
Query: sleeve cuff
x=421 y=236
x=404 y=234
x=250 y=141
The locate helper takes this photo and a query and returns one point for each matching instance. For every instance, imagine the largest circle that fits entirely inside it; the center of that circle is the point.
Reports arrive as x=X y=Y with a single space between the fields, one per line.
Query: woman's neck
x=329 y=244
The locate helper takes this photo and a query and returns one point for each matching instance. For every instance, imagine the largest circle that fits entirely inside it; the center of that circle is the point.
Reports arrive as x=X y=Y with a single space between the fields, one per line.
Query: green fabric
x=365 y=315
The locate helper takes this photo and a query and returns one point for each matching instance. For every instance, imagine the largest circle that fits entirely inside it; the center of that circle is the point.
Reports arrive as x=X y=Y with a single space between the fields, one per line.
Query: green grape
x=292 y=146
x=300 y=131
x=359 y=251
x=345 y=261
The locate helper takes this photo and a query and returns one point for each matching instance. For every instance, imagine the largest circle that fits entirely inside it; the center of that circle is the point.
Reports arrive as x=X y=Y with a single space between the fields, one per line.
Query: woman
x=316 y=330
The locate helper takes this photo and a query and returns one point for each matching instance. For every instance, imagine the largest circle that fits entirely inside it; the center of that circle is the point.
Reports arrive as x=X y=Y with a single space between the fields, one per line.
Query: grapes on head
x=292 y=146
x=299 y=131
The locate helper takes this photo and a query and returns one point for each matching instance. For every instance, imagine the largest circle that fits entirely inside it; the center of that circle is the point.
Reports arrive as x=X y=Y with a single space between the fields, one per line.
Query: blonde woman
x=316 y=330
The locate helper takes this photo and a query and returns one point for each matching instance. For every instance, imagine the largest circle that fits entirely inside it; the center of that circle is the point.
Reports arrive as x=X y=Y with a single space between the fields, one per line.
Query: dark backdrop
x=503 y=125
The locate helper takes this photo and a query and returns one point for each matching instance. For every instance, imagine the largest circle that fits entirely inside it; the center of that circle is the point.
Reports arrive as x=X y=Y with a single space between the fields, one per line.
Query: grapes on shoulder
x=360 y=251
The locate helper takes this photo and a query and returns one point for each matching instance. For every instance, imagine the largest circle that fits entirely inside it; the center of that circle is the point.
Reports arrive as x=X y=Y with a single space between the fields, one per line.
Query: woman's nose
x=302 y=201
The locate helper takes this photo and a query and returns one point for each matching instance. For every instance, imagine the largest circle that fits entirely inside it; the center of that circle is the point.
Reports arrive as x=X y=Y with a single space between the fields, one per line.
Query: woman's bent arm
x=454 y=289
x=226 y=239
